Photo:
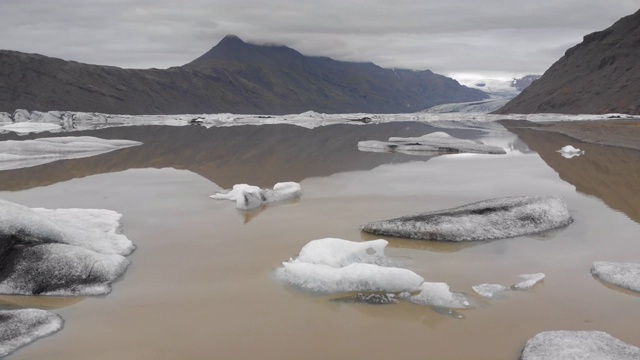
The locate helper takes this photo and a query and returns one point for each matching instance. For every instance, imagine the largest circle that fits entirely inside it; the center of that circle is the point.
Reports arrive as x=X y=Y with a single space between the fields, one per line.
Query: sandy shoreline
x=616 y=132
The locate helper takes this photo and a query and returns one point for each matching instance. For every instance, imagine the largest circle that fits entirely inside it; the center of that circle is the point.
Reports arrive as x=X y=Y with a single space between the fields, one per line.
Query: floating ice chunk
x=484 y=220
x=583 y=345
x=16 y=154
x=528 y=281
x=250 y=197
x=58 y=269
x=335 y=265
x=22 y=327
x=339 y=252
x=437 y=294
x=30 y=127
x=438 y=142
x=569 y=151
x=490 y=290
x=625 y=275
x=96 y=230
x=354 y=277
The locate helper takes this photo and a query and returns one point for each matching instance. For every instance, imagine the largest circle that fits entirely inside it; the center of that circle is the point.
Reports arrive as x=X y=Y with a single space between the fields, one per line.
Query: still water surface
x=200 y=284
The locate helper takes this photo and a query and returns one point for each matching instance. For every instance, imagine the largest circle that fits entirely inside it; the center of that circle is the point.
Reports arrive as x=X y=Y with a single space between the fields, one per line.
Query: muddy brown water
x=200 y=283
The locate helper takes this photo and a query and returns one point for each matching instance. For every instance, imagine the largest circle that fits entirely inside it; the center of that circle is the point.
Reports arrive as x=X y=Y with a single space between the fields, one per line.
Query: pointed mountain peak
x=231 y=40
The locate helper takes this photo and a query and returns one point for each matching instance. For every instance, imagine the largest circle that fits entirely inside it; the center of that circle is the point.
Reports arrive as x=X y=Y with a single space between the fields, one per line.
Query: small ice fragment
x=569 y=151
x=250 y=197
x=437 y=294
x=490 y=290
x=528 y=281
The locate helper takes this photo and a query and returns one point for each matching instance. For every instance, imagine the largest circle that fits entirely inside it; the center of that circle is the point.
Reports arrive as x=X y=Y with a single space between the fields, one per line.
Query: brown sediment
x=612 y=173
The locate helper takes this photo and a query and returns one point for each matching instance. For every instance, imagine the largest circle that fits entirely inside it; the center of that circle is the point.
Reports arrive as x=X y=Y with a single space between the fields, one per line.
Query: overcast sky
x=489 y=37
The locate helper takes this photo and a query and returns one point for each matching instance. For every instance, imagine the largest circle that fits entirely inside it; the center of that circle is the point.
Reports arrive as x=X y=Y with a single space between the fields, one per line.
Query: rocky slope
x=232 y=77
x=600 y=75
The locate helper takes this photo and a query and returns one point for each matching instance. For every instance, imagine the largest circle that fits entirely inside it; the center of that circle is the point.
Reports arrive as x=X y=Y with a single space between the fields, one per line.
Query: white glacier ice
x=527 y=281
x=437 y=294
x=30 y=127
x=60 y=252
x=625 y=275
x=94 y=229
x=437 y=142
x=71 y=121
x=569 y=151
x=23 y=153
x=353 y=277
x=484 y=220
x=582 y=345
x=339 y=252
x=335 y=265
x=250 y=197
x=22 y=327
x=490 y=290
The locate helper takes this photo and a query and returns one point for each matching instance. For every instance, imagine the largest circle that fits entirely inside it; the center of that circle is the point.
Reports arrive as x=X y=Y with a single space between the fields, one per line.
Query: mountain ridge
x=598 y=76
x=233 y=76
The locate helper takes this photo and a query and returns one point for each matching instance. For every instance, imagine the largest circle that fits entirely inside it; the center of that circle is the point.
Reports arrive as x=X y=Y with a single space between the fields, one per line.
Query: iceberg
x=583 y=345
x=93 y=229
x=23 y=153
x=60 y=252
x=484 y=220
x=624 y=275
x=437 y=294
x=58 y=269
x=250 y=197
x=22 y=327
x=437 y=142
x=335 y=266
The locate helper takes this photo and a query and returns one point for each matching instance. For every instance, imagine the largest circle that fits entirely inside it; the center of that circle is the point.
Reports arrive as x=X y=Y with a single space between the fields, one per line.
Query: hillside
x=234 y=76
x=600 y=75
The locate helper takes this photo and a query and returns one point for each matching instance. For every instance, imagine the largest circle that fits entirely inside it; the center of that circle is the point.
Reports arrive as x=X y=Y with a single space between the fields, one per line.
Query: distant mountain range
x=234 y=76
x=600 y=75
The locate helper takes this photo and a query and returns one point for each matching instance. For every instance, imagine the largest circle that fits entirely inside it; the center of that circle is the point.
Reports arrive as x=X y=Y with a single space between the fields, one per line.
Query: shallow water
x=200 y=282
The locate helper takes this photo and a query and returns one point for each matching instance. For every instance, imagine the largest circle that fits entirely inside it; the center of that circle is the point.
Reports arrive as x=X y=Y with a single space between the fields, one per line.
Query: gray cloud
x=509 y=36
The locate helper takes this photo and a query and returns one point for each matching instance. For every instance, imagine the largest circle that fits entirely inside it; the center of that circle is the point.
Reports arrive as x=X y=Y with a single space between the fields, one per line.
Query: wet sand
x=200 y=284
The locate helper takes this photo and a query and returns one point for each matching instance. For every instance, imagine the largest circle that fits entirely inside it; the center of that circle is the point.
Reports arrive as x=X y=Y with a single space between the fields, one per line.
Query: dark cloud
x=509 y=36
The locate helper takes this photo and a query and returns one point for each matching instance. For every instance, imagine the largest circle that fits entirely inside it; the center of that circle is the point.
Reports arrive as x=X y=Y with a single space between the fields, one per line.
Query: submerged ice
x=250 y=197
x=60 y=252
x=484 y=220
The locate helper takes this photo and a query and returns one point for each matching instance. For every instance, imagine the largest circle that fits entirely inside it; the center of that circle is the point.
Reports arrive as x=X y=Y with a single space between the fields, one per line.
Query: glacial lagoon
x=201 y=281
